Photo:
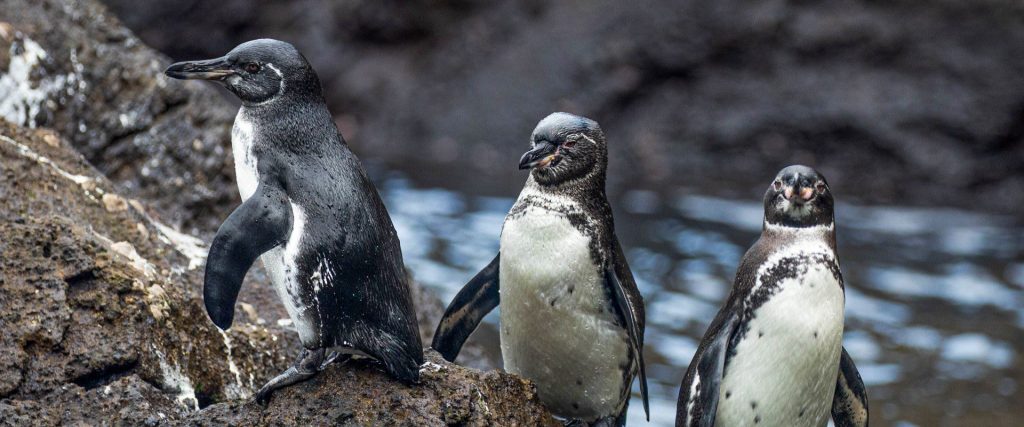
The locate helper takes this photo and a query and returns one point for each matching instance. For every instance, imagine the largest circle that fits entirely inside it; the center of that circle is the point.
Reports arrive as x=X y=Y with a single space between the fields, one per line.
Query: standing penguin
x=774 y=354
x=572 y=319
x=311 y=214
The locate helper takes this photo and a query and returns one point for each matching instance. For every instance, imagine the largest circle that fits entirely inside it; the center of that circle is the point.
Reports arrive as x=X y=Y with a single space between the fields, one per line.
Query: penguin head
x=565 y=147
x=798 y=197
x=256 y=71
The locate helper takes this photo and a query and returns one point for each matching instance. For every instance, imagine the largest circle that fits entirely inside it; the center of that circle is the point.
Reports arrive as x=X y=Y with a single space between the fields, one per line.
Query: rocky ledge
x=103 y=320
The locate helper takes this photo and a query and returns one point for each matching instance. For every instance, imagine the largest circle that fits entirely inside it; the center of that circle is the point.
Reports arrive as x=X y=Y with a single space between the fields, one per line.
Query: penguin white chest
x=785 y=367
x=242 y=140
x=556 y=325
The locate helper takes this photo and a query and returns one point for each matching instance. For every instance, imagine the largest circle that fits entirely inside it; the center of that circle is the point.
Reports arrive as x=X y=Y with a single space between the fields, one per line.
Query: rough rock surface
x=102 y=321
x=72 y=67
x=95 y=291
x=449 y=395
x=896 y=102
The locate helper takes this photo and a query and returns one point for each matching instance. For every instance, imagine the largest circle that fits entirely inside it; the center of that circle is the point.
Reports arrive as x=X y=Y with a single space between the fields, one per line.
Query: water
x=934 y=297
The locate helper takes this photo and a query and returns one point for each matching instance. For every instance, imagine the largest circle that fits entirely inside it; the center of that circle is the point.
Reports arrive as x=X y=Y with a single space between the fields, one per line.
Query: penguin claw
x=306 y=366
x=330 y=359
x=335 y=355
x=262 y=397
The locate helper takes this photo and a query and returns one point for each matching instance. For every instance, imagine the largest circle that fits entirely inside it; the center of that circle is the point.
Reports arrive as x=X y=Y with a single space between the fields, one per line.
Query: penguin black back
x=324 y=234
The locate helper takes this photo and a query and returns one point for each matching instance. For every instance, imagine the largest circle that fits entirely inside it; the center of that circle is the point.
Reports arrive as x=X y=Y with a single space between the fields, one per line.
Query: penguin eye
x=570 y=143
x=777 y=185
x=252 y=67
x=820 y=187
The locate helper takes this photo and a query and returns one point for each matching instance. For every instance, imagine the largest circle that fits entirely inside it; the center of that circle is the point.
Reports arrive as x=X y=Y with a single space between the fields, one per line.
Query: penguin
x=774 y=353
x=313 y=217
x=572 y=318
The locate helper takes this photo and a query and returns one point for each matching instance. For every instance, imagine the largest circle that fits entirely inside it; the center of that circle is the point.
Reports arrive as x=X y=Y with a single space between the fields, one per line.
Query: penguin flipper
x=698 y=396
x=465 y=312
x=259 y=224
x=634 y=326
x=850 y=404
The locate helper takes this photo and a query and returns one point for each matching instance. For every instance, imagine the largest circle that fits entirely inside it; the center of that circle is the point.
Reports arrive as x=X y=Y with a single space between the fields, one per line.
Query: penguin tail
x=401 y=359
x=403 y=366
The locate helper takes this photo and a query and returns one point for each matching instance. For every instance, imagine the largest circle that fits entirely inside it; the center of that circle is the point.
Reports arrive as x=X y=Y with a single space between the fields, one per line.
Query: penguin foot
x=332 y=356
x=306 y=366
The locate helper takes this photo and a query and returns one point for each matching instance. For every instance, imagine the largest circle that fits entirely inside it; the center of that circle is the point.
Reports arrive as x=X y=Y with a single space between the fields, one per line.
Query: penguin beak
x=210 y=69
x=543 y=154
x=798 y=194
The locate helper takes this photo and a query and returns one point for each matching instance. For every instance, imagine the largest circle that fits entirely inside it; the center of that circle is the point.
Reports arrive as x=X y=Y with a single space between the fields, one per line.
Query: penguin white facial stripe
x=279 y=74
x=280 y=91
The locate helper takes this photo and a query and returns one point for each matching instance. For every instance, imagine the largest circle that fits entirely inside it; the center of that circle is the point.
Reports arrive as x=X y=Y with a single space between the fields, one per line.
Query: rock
x=70 y=66
x=896 y=102
x=103 y=322
x=89 y=300
x=358 y=394
x=114 y=203
x=128 y=400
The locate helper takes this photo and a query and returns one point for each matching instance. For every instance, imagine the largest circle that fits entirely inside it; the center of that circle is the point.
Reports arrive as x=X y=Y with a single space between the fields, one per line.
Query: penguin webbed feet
x=307 y=365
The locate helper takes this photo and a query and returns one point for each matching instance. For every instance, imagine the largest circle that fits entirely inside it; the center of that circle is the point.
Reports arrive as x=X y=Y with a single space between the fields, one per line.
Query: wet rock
x=103 y=320
x=896 y=102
